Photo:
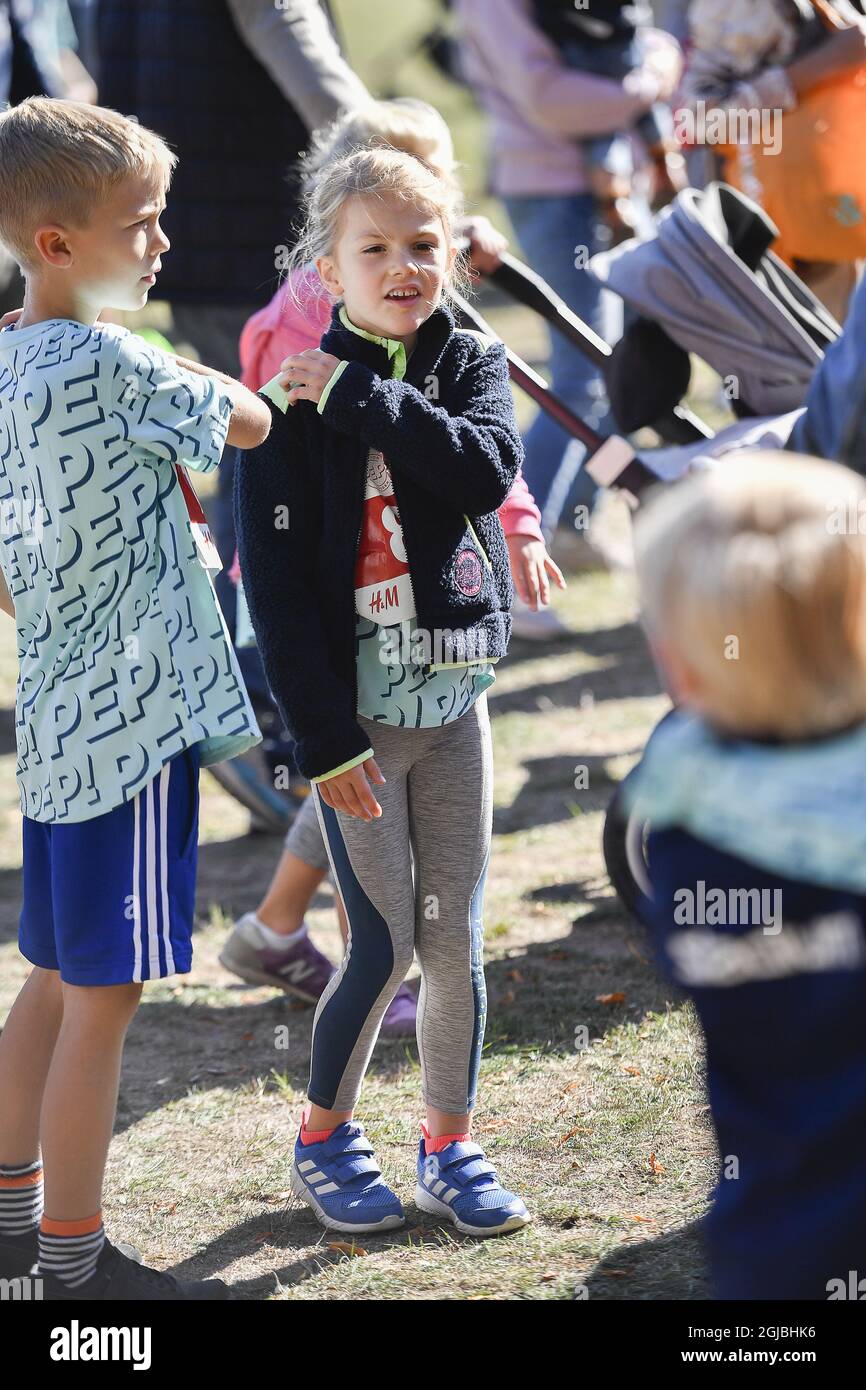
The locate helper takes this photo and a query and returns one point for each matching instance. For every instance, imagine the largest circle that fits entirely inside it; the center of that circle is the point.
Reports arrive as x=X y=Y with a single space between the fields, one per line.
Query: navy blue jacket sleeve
x=274 y=485
x=468 y=457
x=833 y=425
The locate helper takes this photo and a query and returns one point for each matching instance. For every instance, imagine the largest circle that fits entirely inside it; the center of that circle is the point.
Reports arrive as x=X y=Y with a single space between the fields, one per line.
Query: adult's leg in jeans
x=553 y=233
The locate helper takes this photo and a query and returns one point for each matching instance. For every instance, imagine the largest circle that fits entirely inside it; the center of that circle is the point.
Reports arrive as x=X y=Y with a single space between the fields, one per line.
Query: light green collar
x=395 y=349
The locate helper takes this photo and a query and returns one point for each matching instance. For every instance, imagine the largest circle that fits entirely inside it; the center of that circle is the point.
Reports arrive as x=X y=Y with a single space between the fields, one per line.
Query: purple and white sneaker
x=299 y=967
x=399 y=1020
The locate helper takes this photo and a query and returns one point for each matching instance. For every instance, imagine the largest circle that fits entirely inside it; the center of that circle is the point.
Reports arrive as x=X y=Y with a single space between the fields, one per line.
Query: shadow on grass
x=672 y=1268
x=295 y=1227
x=627 y=672
x=550 y=793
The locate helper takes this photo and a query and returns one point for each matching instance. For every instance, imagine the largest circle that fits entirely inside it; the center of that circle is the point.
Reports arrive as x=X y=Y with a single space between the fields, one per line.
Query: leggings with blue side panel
x=437 y=804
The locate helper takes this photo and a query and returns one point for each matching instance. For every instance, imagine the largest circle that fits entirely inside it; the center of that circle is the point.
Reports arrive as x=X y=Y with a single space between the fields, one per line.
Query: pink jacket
x=285 y=327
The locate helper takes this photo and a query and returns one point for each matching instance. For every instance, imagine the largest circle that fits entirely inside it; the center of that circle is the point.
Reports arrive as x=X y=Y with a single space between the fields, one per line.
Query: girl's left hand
x=305 y=376
x=530 y=566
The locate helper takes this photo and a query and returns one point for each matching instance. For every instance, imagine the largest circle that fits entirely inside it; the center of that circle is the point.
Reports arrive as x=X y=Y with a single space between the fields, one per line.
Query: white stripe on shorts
x=150 y=870
x=136 y=896
x=163 y=865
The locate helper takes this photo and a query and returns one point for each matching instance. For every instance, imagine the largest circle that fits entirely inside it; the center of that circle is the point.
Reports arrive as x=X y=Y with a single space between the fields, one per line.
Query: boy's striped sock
x=20 y=1197
x=70 y=1249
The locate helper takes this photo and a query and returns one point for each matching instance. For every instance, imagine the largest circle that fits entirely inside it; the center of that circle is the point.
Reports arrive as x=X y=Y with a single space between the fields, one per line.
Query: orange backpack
x=814 y=188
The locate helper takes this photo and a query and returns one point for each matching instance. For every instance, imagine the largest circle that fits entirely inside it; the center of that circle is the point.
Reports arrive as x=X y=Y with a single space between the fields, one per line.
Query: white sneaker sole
x=300 y=1189
x=427 y=1202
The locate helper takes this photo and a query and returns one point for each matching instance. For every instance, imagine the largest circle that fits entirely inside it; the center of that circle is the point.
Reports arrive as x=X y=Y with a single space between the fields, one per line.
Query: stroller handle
x=520 y=282
x=611 y=461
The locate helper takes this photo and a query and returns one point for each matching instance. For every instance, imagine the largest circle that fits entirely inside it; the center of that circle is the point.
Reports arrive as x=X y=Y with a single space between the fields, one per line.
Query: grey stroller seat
x=710 y=284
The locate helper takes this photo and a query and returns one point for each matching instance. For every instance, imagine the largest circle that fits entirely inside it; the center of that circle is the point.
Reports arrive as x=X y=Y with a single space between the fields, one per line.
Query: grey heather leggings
x=437 y=806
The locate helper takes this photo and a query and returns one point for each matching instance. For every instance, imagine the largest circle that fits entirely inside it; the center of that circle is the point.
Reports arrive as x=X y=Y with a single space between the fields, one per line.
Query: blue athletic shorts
x=112 y=899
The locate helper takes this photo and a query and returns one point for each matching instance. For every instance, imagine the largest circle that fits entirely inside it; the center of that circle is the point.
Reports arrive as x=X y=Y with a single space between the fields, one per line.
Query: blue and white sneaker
x=341 y=1180
x=460 y=1185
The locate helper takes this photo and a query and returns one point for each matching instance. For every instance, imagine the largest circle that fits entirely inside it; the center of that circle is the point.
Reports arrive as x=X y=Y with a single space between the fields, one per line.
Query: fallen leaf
x=643 y=1218
x=572 y=1086
x=507 y=997
x=266 y=1235
x=247 y=1037
x=345 y=1248
x=557 y=955
x=620 y=1273
x=578 y=1129
x=654 y=1166
x=632 y=1071
x=660 y=1078
x=546 y=1278
x=515 y=975
x=616 y=998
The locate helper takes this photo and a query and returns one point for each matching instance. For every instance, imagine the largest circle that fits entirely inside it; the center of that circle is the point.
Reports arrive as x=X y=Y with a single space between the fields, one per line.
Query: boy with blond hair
x=127 y=680
x=754 y=593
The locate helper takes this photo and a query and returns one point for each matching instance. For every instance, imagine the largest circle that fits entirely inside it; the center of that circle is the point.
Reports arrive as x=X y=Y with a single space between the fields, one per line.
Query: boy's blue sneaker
x=341 y=1180
x=460 y=1185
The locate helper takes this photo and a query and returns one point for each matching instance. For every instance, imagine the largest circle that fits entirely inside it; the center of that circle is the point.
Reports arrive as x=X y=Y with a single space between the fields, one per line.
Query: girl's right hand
x=351 y=792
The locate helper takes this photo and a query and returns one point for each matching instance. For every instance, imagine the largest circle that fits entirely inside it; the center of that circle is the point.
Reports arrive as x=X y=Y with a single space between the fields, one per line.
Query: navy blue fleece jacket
x=449 y=435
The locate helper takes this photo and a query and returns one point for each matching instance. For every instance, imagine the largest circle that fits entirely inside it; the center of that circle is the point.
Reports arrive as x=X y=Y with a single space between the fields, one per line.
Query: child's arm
x=176 y=410
x=250 y=420
x=469 y=456
x=5 y=601
x=279 y=521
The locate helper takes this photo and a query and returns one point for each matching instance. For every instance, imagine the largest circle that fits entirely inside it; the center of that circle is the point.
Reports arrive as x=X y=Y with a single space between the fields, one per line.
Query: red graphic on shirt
x=383 y=588
x=208 y=555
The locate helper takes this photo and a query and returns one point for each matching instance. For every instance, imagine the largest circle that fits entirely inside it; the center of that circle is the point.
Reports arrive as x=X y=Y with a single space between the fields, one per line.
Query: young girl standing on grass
x=271 y=945
x=378 y=583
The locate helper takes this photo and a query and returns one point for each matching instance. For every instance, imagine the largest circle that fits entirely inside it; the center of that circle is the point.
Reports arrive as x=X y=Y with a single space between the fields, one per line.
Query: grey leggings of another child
x=437 y=808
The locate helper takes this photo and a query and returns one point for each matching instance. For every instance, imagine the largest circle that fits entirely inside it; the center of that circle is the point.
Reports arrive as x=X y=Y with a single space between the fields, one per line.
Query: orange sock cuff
x=85 y=1227
x=314 y=1136
x=30 y=1179
x=434 y=1146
